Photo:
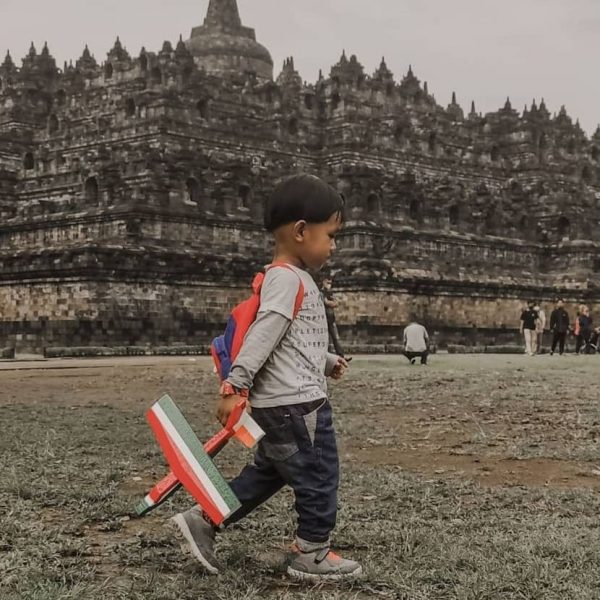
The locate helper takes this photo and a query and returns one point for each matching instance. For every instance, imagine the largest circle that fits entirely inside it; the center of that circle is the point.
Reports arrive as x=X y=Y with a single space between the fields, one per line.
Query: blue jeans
x=299 y=449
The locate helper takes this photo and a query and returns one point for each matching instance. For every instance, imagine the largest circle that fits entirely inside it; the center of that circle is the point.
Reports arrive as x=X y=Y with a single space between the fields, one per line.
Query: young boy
x=283 y=364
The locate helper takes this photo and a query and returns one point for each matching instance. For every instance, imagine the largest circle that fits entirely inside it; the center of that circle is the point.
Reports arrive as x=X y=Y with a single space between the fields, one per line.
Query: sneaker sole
x=179 y=521
x=316 y=577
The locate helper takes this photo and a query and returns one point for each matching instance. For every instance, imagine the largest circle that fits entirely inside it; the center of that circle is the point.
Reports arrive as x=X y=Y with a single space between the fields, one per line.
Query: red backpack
x=226 y=347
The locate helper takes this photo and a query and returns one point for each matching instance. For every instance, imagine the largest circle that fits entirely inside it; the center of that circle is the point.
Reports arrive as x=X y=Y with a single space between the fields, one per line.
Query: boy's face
x=319 y=241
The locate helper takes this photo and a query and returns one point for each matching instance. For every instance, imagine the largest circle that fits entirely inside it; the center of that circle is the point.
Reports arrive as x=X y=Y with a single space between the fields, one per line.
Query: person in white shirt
x=416 y=343
x=540 y=327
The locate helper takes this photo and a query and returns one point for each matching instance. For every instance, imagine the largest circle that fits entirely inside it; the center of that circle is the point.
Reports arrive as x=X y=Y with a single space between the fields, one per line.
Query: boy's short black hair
x=302 y=198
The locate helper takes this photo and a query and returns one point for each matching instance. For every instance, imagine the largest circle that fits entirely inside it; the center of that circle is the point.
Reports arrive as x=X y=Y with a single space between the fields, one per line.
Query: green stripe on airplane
x=197 y=450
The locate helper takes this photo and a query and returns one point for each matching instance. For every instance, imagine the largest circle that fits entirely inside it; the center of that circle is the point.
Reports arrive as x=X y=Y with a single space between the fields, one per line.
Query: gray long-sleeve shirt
x=284 y=360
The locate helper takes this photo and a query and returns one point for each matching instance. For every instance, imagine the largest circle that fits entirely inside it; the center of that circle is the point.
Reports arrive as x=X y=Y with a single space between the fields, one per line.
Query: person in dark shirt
x=559 y=326
x=330 y=306
x=584 y=331
x=529 y=319
x=594 y=339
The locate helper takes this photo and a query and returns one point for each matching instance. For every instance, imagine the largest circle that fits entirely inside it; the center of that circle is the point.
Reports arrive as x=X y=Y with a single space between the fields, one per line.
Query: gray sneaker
x=322 y=565
x=200 y=536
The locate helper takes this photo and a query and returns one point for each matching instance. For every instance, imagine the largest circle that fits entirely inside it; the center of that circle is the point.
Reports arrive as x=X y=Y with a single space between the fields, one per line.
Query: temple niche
x=132 y=187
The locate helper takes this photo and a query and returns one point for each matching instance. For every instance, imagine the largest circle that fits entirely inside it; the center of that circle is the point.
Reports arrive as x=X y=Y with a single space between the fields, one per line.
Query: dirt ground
x=474 y=477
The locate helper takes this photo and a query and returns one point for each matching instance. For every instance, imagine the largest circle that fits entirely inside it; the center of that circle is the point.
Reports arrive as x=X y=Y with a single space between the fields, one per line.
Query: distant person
x=416 y=343
x=330 y=305
x=595 y=337
x=539 y=330
x=559 y=326
x=576 y=328
x=529 y=319
x=583 y=330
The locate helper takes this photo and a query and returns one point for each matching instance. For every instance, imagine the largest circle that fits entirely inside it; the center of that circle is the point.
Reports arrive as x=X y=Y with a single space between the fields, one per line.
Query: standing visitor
x=583 y=330
x=594 y=340
x=559 y=326
x=330 y=305
x=529 y=319
x=541 y=326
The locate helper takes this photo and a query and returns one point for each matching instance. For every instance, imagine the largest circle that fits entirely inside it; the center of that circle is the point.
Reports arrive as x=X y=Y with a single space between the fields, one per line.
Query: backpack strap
x=257 y=283
x=300 y=294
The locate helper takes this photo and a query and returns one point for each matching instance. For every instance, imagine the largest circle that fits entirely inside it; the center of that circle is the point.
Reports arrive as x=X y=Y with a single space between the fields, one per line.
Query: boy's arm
x=262 y=338
x=277 y=301
x=330 y=363
x=335 y=366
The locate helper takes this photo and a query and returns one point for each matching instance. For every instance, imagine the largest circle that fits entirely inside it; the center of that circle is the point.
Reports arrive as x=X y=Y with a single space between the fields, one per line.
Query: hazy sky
x=485 y=50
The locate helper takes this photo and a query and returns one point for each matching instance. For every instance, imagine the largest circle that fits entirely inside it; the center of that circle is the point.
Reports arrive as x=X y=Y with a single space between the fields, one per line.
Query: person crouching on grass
x=283 y=363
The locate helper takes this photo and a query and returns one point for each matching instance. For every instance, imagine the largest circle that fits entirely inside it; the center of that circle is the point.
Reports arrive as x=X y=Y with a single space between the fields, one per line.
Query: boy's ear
x=298 y=230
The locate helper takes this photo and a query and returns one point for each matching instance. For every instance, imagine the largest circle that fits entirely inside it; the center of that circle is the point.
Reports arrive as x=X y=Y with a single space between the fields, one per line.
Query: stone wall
x=98 y=313
x=379 y=317
x=111 y=313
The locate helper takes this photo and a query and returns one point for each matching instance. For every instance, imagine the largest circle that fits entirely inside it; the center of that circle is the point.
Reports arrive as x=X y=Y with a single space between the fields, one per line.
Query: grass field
x=477 y=477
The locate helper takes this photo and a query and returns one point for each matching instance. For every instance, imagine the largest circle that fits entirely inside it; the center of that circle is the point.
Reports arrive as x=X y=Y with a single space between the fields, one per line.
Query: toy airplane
x=190 y=461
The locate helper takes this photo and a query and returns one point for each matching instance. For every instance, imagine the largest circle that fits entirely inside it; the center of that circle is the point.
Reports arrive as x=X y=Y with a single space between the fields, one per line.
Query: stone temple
x=131 y=194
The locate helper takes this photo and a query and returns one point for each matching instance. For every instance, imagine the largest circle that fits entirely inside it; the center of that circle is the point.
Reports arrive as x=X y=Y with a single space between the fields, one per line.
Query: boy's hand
x=340 y=368
x=226 y=404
